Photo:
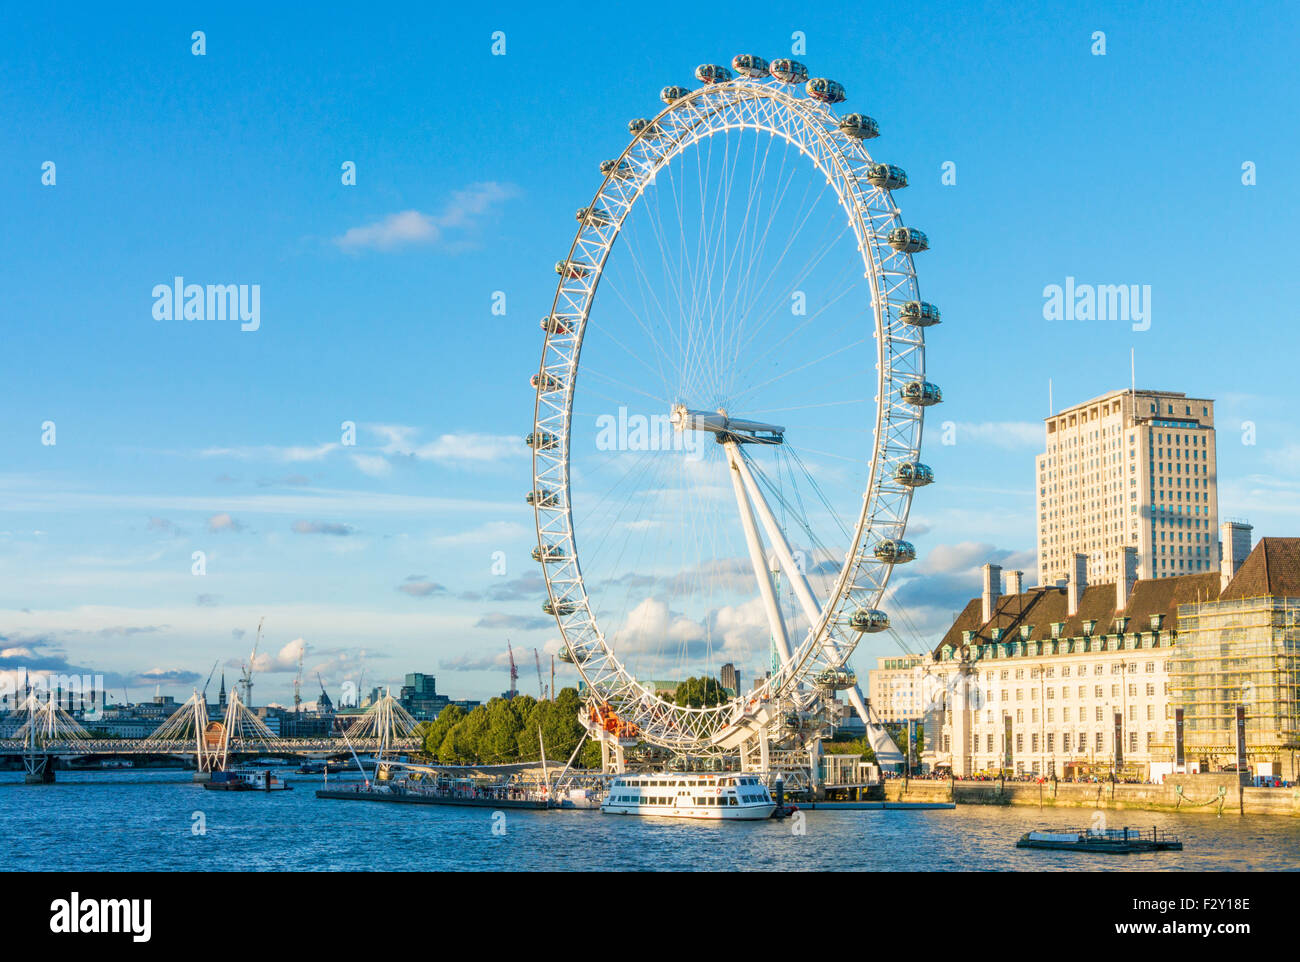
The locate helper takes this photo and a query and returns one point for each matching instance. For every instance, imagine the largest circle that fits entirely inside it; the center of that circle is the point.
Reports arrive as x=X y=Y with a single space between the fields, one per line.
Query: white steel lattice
x=763 y=105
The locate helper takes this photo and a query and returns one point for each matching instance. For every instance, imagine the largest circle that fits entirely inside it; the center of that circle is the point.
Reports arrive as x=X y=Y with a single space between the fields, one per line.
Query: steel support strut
x=779 y=635
x=802 y=590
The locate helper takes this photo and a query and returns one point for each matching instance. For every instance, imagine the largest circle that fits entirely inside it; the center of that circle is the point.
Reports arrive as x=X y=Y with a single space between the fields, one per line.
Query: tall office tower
x=1129 y=468
x=730 y=678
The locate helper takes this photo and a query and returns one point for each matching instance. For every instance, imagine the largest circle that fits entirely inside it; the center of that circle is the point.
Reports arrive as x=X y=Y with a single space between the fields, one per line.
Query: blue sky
x=175 y=437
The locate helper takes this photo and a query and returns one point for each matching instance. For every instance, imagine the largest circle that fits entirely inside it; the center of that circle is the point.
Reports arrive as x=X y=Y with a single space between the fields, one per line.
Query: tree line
x=506 y=730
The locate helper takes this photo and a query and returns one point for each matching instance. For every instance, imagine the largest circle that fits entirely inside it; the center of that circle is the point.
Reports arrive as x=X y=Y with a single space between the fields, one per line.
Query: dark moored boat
x=1114 y=841
x=262 y=780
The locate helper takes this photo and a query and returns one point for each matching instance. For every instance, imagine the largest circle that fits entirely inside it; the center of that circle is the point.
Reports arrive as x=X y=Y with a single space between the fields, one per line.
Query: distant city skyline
x=352 y=468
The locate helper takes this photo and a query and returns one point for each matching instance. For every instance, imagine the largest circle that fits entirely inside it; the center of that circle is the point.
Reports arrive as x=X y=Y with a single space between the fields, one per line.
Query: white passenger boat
x=689 y=795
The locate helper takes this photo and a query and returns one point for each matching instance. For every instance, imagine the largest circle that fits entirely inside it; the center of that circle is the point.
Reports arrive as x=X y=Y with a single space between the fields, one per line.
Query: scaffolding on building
x=1239 y=652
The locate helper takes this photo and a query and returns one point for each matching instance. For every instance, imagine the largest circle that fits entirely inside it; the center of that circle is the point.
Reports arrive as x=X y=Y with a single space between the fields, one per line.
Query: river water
x=147 y=821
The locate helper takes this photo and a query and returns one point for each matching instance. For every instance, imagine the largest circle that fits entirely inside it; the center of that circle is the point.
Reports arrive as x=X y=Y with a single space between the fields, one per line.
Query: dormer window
x=995 y=634
x=1121 y=624
x=1057 y=628
x=1157 y=620
x=1089 y=627
x=1026 y=632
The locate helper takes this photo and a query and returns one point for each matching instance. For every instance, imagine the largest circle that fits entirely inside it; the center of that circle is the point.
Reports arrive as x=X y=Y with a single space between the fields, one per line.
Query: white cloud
x=286 y=659
x=461 y=448
x=459 y=217
x=494 y=533
x=336 y=528
x=223 y=521
x=395 y=230
x=375 y=465
x=401 y=441
x=271 y=452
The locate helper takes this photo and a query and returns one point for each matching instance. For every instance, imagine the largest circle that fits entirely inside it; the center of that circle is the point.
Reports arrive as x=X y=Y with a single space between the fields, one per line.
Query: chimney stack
x=1234 y=546
x=1077 y=583
x=992 y=590
x=1015 y=582
x=1128 y=566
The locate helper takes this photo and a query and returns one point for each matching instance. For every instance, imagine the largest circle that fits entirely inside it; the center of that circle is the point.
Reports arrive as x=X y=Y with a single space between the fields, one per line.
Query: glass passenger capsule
x=827 y=91
x=572 y=269
x=894 y=552
x=749 y=65
x=544 y=382
x=869 y=619
x=887 y=176
x=919 y=314
x=712 y=73
x=552 y=552
x=619 y=170
x=836 y=679
x=574 y=658
x=908 y=240
x=641 y=127
x=559 y=608
x=913 y=474
x=554 y=325
x=672 y=94
x=543 y=441
x=788 y=71
x=920 y=393
x=859 y=127
x=596 y=216
x=542 y=498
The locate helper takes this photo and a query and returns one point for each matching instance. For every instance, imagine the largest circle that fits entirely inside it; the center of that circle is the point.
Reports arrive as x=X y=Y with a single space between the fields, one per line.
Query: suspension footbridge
x=48 y=732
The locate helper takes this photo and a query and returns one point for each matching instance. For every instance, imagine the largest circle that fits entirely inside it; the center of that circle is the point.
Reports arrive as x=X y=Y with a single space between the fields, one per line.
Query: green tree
x=499 y=743
x=702 y=692
x=589 y=757
x=436 y=731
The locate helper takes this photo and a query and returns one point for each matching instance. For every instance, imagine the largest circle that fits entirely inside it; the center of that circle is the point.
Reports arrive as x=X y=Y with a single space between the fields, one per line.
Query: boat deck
x=429 y=798
x=1112 y=841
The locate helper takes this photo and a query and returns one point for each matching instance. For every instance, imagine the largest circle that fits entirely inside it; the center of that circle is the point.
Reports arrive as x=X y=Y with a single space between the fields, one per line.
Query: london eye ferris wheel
x=726 y=441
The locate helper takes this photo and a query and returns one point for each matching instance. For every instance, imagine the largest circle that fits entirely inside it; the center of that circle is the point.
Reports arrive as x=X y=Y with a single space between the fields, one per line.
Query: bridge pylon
x=45 y=725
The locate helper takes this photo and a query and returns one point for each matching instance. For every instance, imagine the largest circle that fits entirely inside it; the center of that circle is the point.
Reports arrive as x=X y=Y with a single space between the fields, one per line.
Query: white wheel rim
x=768 y=106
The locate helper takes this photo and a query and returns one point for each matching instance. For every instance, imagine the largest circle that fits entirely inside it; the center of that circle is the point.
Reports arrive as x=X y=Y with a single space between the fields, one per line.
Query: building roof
x=1040 y=607
x=1272 y=568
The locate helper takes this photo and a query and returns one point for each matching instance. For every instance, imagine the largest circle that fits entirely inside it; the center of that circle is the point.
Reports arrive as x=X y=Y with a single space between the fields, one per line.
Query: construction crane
x=541 y=685
x=209 y=681
x=324 y=704
x=514 y=672
x=297 y=681
x=246 y=678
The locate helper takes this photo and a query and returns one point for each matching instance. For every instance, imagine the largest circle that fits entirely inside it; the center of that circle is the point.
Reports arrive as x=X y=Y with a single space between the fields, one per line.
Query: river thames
x=146 y=821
